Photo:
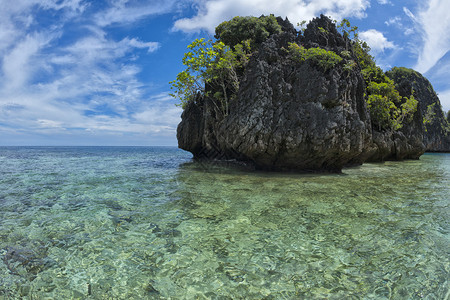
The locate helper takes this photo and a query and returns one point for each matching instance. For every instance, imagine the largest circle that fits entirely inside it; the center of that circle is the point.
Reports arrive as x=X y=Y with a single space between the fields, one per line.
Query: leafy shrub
x=429 y=116
x=346 y=54
x=212 y=64
x=382 y=111
x=255 y=30
x=298 y=53
x=350 y=65
x=323 y=58
x=388 y=110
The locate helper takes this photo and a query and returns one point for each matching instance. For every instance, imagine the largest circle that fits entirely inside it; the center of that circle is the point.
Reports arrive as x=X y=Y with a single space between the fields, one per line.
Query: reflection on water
x=141 y=223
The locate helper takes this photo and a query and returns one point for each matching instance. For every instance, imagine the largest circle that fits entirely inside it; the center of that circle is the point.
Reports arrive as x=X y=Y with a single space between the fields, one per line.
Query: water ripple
x=146 y=223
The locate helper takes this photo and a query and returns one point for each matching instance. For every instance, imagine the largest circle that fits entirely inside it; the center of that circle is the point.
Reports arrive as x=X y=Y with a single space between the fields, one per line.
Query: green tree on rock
x=324 y=59
x=388 y=110
x=214 y=69
x=239 y=29
x=210 y=64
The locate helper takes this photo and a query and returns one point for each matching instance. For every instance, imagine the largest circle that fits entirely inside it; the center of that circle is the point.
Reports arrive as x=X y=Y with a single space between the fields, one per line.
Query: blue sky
x=85 y=72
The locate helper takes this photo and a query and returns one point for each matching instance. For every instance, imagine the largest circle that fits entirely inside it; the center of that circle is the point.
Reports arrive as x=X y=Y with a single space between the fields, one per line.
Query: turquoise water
x=147 y=223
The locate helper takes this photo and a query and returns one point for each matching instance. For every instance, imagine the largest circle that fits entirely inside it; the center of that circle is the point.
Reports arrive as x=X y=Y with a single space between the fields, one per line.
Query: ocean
x=149 y=223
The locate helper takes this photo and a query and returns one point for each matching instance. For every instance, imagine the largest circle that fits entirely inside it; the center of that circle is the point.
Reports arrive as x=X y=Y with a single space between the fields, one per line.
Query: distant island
x=279 y=98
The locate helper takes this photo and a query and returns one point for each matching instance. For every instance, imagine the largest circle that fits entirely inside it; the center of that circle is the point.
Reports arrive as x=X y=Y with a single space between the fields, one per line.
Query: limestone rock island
x=282 y=99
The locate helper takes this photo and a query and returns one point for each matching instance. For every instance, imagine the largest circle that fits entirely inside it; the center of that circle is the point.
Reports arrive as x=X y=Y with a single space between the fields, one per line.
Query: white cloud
x=433 y=22
x=151 y=46
x=97 y=48
x=376 y=40
x=444 y=97
x=49 y=124
x=160 y=113
x=210 y=13
x=398 y=22
x=17 y=16
x=393 y=21
x=126 y=11
x=74 y=5
x=90 y=85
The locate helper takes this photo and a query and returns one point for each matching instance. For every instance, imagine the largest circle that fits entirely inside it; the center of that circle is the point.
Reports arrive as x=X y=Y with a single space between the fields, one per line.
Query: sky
x=94 y=72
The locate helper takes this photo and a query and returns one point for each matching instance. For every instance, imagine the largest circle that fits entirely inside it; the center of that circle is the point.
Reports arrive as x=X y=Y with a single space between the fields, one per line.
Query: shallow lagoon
x=147 y=223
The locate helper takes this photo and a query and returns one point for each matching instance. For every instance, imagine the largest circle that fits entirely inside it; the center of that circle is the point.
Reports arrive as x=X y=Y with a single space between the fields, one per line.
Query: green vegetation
x=406 y=75
x=214 y=68
x=403 y=73
x=387 y=108
x=239 y=29
x=429 y=116
x=348 y=32
x=215 y=65
x=324 y=33
x=432 y=117
x=302 y=26
x=321 y=57
x=360 y=50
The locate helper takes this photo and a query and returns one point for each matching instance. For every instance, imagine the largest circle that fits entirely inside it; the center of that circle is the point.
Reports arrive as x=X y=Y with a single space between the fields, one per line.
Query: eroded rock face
x=398 y=145
x=286 y=116
x=436 y=132
x=292 y=115
x=322 y=32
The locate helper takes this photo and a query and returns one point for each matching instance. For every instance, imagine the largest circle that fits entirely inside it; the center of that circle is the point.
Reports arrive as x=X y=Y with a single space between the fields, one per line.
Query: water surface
x=147 y=223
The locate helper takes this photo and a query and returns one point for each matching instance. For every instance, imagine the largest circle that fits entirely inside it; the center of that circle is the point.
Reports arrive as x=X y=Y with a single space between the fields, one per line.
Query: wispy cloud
x=393 y=21
x=211 y=13
x=398 y=22
x=433 y=24
x=410 y=14
x=18 y=65
x=126 y=11
x=88 y=84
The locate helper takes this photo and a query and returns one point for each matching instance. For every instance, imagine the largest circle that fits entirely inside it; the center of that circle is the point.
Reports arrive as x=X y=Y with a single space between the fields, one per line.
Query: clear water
x=147 y=223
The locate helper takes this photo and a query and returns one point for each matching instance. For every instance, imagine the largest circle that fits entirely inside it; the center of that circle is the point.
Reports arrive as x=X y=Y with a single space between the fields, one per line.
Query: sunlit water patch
x=147 y=223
